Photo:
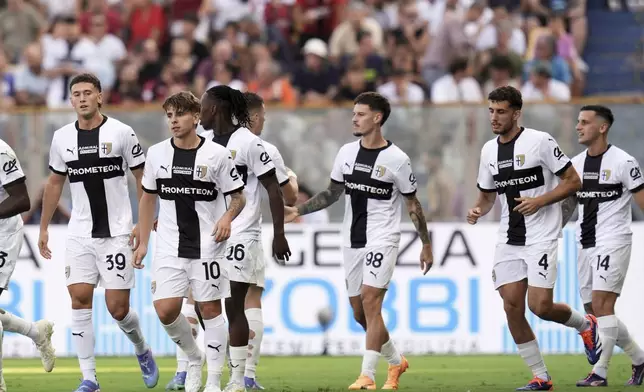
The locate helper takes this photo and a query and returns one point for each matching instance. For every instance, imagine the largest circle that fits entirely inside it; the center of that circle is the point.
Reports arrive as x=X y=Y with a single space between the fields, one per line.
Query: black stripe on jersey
x=285 y=182
x=184 y=190
x=361 y=187
x=243 y=172
x=591 y=195
x=92 y=171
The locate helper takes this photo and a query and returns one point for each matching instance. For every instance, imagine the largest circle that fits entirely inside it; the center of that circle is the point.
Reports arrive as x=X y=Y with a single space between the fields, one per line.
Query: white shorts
x=602 y=268
x=9 y=252
x=173 y=277
x=537 y=262
x=246 y=261
x=100 y=261
x=373 y=266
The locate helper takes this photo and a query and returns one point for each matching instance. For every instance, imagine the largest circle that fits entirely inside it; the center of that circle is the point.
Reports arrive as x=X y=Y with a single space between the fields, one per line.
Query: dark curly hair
x=508 y=94
x=230 y=103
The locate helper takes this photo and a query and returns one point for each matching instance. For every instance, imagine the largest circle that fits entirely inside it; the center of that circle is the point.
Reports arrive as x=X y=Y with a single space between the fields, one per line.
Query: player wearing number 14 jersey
x=611 y=179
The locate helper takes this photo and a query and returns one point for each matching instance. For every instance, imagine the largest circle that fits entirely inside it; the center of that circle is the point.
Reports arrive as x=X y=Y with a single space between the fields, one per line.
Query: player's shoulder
x=160 y=149
x=64 y=132
x=213 y=149
x=621 y=158
x=537 y=136
x=395 y=154
x=579 y=158
x=206 y=134
x=117 y=126
x=4 y=146
x=350 y=148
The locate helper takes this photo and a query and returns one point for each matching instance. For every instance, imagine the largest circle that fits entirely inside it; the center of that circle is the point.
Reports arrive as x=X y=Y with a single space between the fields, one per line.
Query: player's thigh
x=378 y=266
x=541 y=260
x=169 y=278
x=10 y=246
x=208 y=279
x=246 y=262
x=585 y=274
x=509 y=266
x=609 y=265
x=81 y=262
x=352 y=260
x=115 y=262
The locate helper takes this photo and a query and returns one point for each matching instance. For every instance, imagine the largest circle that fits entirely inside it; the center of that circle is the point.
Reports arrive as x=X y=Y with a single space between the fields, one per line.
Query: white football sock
x=1 y=339
x=12 y=323
x=608 y=332
x=132 y=328
x=238 y=363
x=256 y=326
x=630 y=347
x=215 y=339
x=188 y=311
x=391 y=353
x=532 y=356
x=577 y=321
x=181 y=333
x=83 y=336
x=369 y=363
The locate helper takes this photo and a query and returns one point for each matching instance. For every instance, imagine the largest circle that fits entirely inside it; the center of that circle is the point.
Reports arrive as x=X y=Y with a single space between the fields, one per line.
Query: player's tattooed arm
x=322 y=200
x=17 y=202
x=236 y=205
x=567 y=209
x=418 y=218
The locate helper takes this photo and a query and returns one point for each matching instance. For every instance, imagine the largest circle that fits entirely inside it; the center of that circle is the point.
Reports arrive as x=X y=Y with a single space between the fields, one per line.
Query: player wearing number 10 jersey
x=191 y=176
x=611 y=179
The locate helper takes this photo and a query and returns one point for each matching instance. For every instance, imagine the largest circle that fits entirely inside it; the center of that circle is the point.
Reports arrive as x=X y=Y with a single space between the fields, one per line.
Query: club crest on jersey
x=606 y=175
x=233 y=153
x=380 y=171
x=106 y=147
x=520 y=160
x=201 y=170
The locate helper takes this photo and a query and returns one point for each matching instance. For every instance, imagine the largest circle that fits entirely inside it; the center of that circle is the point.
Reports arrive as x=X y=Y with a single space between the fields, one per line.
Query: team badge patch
x=606 y=174
x=233 y=153
x=380 y=171
x=520 y=160
x=201 y=171
x=106 y=147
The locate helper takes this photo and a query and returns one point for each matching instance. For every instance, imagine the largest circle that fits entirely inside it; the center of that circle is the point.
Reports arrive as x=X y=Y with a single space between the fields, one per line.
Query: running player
x=14 y=200
x=220 y=105
x=611 y=178
x=94 y=152
x=373 y=173
x=191 y=176
x=522 y=166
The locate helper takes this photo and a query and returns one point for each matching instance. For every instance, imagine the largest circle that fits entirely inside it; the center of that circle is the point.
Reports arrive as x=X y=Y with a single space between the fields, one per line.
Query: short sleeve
x=485 y=180
x=280 y=168
x=149 y=180
x=10 y=169
x=336 y=171
x=226 y=176
x=632 y=176
x=56 y=162
x=552 y=156
x=132 y=150
x=405 y=179
x=258 y=160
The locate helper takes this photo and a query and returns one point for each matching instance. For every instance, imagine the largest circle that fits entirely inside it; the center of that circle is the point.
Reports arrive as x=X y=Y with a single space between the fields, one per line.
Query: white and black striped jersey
x=95 y=162
x=280 y=167
x=10 y=173
x=374 y=180
x=609 y=180
x=252 y=162
x=526 y=166
x=191 y=184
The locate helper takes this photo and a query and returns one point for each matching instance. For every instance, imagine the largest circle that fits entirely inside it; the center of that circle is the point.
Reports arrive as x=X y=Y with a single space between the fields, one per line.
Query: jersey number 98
x=374 y=259
x=117 y=260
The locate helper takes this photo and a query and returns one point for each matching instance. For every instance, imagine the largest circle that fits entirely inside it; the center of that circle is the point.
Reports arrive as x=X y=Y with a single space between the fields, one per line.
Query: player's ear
x=377 y=118
x=100 y=99
x=516 y=115
x=195 y=118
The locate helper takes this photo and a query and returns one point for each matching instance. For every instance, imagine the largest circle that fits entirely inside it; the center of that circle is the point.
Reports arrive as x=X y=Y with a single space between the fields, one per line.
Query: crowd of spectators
x=293 y=52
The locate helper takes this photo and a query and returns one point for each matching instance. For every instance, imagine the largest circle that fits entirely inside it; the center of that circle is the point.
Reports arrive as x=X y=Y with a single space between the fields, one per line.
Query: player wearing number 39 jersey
x=191 y=176
x=611 y=179
x=521 y=165
x=94 y=154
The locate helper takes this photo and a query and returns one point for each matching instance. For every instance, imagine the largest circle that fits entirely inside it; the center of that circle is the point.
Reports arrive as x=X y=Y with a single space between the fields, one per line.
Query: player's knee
x=210 y=310
x=119 y=311
x=371 y=302
x=166 y=311
x=513 y=309
x=358 y=315
x=604 y=304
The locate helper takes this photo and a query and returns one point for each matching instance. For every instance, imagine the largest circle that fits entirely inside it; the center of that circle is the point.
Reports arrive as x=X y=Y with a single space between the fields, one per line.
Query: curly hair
x=231 y=103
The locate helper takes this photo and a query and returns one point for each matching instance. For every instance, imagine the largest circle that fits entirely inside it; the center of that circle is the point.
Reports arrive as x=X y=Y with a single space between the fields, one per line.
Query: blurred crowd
x=293 y=52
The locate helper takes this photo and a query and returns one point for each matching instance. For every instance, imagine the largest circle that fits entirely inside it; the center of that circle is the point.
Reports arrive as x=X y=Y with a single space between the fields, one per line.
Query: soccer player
x=373 y=173
x=191 y=175
x=220 y=105
x=611 y=178
x=189 y=311
x=522 y=166
x=94 y=152
x=14 y=200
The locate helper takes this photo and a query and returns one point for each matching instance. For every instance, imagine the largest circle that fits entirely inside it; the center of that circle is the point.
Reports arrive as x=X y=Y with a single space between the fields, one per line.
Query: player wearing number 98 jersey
x=191 y=176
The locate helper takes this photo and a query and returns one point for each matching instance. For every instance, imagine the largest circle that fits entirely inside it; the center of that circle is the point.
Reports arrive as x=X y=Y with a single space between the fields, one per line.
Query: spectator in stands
x=477 y=17
x=316 y=18
x=504 y=31
x=146 y=20
x=150 y=62
x=566 y=50
x=225 y=74
x=501 y=73
x=373 y=62
x=316 y=79
x=31 y=83
x=109 y=46
x=182 y=59
x=545 y=51
x=401 y=90
x=345 y=40
x=128 y=91
x=272 y=87
x=8 y=85
x=354 y=83
x=412 y=30
x=187 y=30
x=542 y=85
x=20 y=24
x=221 y=53
x=457 y=85
x=101 y=7
x=488 y=38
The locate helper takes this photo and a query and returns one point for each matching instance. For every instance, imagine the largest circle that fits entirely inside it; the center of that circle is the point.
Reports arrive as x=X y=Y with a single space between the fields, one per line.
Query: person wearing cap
x=316 y=79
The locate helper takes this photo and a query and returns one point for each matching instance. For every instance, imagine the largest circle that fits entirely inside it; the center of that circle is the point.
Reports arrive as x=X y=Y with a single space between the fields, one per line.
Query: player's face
x=85 y=99
x=207 y=112
x=590 y=127
x=364 y=120
x=502 y=117
x=257 y=119
x=181 y=124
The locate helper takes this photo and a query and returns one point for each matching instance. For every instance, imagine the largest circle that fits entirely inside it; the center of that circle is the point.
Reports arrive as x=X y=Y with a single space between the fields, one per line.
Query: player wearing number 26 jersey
x=611 y=179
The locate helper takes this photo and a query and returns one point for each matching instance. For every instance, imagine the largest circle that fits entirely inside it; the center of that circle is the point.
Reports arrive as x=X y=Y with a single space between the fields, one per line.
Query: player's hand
x=426 y=258
x=281 y=251
x=527 y=205
x=290 y=214
x=154 y=225
x=43 y=239
x=221 y=232
x=473 y=215
x=139 y=255
x=134 y=238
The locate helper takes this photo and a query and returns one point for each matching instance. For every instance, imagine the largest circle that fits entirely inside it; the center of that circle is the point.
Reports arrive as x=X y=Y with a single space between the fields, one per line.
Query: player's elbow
x=575 y=183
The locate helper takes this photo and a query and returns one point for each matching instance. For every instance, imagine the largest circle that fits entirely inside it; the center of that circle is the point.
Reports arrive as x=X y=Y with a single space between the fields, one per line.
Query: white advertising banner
x=452 y=309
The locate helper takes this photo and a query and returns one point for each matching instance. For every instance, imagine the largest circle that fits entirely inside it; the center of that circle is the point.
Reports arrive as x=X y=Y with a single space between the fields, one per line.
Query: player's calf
x=238 y=332
x=358 y=311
